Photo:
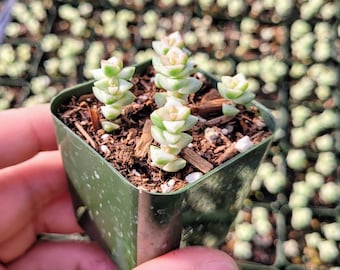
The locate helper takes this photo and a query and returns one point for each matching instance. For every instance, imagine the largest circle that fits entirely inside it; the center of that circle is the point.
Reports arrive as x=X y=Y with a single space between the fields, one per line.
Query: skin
x=34 y=199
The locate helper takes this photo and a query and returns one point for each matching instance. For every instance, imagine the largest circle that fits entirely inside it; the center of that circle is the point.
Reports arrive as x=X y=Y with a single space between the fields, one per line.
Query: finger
x=191 y=258
x=17 y=245
x=35 y=192
x=57 y=217
x=63 y=255
x=24 y=132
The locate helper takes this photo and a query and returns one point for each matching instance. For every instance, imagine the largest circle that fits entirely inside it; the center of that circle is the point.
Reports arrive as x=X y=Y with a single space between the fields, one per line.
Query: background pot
x=134 y=225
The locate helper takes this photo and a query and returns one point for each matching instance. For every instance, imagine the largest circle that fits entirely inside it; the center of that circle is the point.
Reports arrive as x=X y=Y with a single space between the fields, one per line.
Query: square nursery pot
x=134 y=225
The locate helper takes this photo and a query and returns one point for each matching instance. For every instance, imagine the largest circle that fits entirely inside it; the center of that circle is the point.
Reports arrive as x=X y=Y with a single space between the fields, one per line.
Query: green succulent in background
x=301 y=217
x=30 y=16
x=77 y=17
x=310 y=8
x=112 y=88
x=6 y=97
x=328 y=250
x=296 y=159
x=234 y=89
x=94 y=54
x=50 y=43
x=150 y=22
x=252 y=229
x=15 y=59
x=114 y=24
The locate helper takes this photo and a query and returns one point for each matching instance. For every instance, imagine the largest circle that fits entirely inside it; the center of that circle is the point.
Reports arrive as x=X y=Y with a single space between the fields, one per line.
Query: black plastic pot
x=134 y=225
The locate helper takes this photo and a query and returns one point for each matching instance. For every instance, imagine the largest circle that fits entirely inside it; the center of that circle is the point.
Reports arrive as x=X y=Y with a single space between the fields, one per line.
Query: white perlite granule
x=243 y=144
x=192 y=177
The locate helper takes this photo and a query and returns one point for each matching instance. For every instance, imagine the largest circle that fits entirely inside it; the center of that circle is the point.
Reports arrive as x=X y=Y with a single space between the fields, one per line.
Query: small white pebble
x=105 y=149
x=105 y=137
x=171 y=182
x=243 y=144
x=165 y=188
x=142 y=98
x=135 y=172
x=168 y=186
x=211 y=135
x=225 y=131
x=230 y=128
x=192 y=177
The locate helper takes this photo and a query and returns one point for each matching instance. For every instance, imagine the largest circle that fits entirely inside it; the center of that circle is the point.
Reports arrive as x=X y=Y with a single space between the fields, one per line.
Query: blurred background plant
x=289 y=50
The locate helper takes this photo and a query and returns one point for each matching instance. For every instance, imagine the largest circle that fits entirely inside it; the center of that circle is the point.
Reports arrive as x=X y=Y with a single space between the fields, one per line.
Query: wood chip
x=196 y=160
x=94 y=118
x=212 y=95
x=229 y=152
x=86 y=97
x=70 y=112
x=85 y=134
x=220 y=120
x=205 y=109
x=143 y=144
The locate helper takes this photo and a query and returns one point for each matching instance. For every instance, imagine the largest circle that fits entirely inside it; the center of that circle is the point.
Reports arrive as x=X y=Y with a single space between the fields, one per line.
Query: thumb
x=190 y=258
x=63 y=255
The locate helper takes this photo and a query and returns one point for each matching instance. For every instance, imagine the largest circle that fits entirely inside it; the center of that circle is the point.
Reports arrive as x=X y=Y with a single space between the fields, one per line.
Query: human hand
x=34 y=199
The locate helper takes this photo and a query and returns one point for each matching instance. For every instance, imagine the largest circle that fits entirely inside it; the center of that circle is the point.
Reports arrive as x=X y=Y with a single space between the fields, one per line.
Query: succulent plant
x=300 y=114
x=309 y=9
x=313 y=239
x=169 y=124
x=331 y=231
x=77 y=17
x=329 y=192
x=301 y=218
x=324 y=142
x=29 y=16
x=328 y=250
x=291 y=248
x=275 y=182
x=326 y=163
x=242 y=250
x=6 y=97
x=297 y=200
x=173 y=118
x=316 y=180
x=15 y=59
x=50 y=42
x=234 y=89
x=112 y=88
x=297 y=159
x=94 y=54
x=244 y=231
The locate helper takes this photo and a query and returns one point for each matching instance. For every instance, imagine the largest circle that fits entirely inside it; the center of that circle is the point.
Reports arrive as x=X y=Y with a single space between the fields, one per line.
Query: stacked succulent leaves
x=234 y=89
x=173 y=118
x=112 y=88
